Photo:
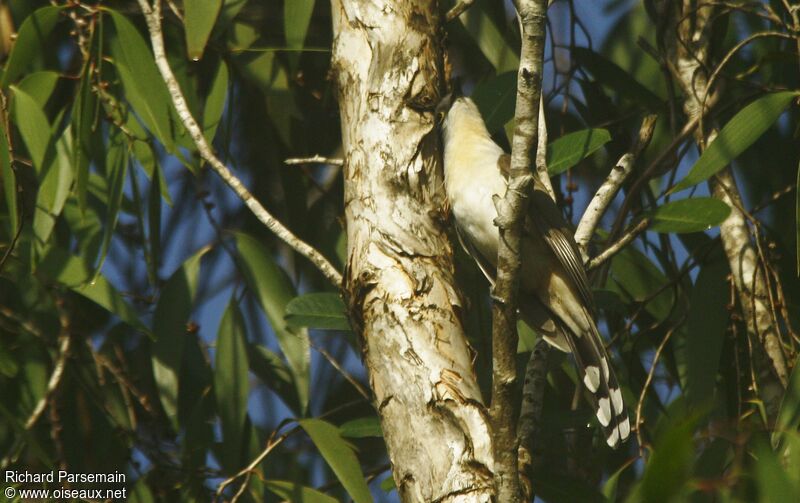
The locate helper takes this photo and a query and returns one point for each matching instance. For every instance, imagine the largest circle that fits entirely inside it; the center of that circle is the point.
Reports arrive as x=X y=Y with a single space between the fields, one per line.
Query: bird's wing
x=531 y=310
x=551 y=225
x=545 y=220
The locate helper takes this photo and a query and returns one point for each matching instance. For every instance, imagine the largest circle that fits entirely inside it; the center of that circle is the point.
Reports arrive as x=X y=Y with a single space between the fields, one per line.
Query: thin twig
x=153 y=17
x=647 y=385
x=606 y=193
x=617 y=246
x=55 y=378
x=316 y=159
x=458 y=9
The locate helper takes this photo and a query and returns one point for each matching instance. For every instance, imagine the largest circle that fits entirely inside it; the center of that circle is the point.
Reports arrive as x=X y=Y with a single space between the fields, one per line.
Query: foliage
x=191 y=340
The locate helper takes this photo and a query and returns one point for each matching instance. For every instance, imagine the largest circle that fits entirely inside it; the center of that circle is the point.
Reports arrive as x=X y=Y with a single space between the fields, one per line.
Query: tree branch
x=689 y=60
x=510 y=214
x=530 y=455
x=618 y=245
x=606 y=193
x=152 y=15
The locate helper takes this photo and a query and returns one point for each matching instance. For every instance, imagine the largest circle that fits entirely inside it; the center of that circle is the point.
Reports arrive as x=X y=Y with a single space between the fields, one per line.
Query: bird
x=554 y=294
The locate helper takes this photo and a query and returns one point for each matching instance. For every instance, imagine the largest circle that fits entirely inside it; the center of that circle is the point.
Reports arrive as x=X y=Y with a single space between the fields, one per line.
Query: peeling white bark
x=399 y=281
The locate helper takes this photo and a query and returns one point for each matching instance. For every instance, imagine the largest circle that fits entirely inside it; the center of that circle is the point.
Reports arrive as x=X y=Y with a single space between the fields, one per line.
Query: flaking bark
x=399 y=281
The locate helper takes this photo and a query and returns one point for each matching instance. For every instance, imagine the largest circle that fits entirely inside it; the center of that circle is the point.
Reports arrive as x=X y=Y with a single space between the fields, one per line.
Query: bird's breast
x=475 y=212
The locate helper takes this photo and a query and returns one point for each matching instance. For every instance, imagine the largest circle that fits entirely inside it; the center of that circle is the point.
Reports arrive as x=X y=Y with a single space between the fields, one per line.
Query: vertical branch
x=689 y=63
x=530 y=415
x=511 y=210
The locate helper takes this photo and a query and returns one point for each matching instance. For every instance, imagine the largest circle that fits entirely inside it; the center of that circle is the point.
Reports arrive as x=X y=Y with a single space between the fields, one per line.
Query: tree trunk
x=399 y=281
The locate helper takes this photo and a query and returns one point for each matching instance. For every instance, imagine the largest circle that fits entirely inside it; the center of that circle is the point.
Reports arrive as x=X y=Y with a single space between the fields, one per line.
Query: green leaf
x=322 y=310
x=495 y=98
x=296 y=18
x=9 y=179
x=199 y=17
x=169 y=326
x=689 y=215
x=637 y=278
x=82 y=125
x=291 y=491
x=230 y=382
x=69 y=270
x=708 y=320
x=215 y=103
x=388 y=485
x=116 y=171
x=612 y=76
x=774 y=484
x=39 y=86
x=490 y=39
x=30 y=42
x=273 y=290
x=274 y=373
x=144 y=88
x=340 y=457
x=739 y=133
x=797 y=218
x=668 y=469
x=789 y=413
x=230 y=9
x=362 y=428
x=34 y=128
x=54 y=189
x=570 y=149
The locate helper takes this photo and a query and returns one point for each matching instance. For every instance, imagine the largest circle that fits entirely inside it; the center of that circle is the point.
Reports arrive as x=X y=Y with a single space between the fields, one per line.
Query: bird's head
x=460 y=118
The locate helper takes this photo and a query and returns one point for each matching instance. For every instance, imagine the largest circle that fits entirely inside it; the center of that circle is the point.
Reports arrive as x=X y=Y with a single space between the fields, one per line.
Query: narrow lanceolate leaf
x=39 y=86
x=215 y=103
x=495 y=98
x=169 y=326
x=273 y=290
x=296 y=17
x=230 y=382
x=54 y=188
x=34 y=128
x=30 y=42
x=61 y=266
x=689 y=215
x=340 y=456
x=273 y=372
x=9 y=180
x=797 y=217
x=116 y=170
x=708 y=321
x=199 y=17
x=290 y=491
x=317 y=310
x=614 y=77
x=144 y=88
x=82 y=123
x=739 y=133
x=362 y=427
x=789 y=414
x=570 y=149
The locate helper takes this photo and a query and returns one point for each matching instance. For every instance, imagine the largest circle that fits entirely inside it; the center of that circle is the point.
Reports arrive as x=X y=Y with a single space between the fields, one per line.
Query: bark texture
x=689 y=61
x=399 y=281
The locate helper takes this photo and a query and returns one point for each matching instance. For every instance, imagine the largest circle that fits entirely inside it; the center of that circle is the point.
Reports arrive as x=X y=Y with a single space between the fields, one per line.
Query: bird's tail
x=598 y=376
